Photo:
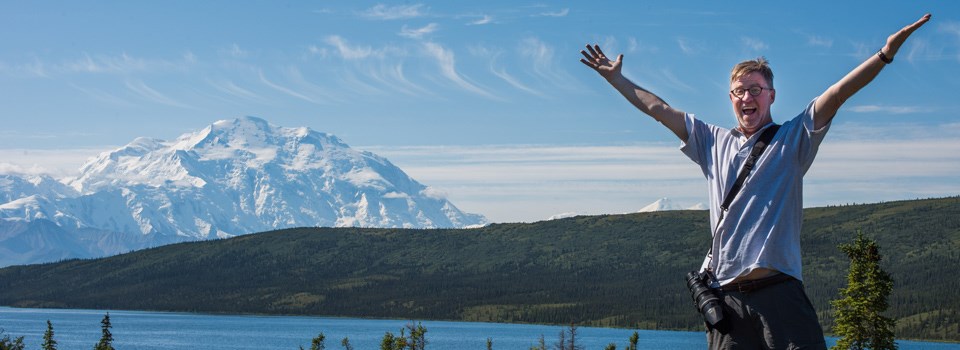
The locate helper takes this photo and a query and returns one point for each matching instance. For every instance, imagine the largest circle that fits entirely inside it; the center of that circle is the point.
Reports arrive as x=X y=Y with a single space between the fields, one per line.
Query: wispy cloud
x=189 y=57
x=418 y=33
x=123 y=63
x=103 y=96
x=675 y=82
x=445 y=60
x=234 y=51
x=953 y=29
x=688 y=46
x=635 y=46
x=314 y=50
x=349 y=52
x=229 y=88
x=819 y=41
x=539 y=54
x=493 y=56
x=143 y=90
x=918 y=49
x=486 y=19
x=287 y=90
x=386 y=70
x=890 y=109
x=294 y=75
x=385 y=12
x=753 y=44
x=502 y=74
x=542 y=60
x=535 y=182
x=392 y=75
x=558 y=13
x=881 y=169
x=520 y=182
x=35 y=68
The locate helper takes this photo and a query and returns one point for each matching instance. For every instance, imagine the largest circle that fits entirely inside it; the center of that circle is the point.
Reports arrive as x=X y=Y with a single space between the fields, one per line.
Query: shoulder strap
x=758 y=148
x=755 y=153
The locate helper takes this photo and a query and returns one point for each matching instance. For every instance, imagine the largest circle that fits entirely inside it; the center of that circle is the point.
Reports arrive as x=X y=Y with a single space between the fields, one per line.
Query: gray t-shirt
x=761 y=228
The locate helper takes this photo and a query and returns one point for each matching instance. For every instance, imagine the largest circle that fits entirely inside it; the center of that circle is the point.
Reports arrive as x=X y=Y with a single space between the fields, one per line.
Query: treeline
x=611 y=271
x=50 y=343
x=412 y=337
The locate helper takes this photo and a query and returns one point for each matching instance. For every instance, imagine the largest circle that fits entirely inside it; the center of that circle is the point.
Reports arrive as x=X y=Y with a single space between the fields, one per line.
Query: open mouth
x=748 y=110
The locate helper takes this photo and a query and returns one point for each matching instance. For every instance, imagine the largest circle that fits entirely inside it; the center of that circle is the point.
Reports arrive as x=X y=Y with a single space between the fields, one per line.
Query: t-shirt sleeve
x=698 y=141
x=809 y=138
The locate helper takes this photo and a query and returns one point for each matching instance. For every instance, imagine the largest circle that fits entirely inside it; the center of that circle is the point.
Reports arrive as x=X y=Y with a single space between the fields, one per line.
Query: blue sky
x=485 y=101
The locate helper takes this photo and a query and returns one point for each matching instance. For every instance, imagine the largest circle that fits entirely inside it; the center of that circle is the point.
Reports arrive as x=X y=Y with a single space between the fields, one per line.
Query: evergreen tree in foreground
x=7 y=344
x=859 y=322
x=346 y=344
x=48 y=342
x=318 y=342
x=106 y=340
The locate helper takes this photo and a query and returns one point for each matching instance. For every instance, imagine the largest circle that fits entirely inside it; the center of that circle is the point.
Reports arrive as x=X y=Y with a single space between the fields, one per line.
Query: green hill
x=612 y=270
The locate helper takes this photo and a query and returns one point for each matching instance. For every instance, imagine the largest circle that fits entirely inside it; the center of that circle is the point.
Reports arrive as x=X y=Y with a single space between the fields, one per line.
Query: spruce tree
x=7 y=344
x=318 y=342
x=542 y=345
x=387 y=342
x=106 y=340
x=346 y=344
x=634 y=339
x=418 y=336
x=48 y=342
x=858 y=314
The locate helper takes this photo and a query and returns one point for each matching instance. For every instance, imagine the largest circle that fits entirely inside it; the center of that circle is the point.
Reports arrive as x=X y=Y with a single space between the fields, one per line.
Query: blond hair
x=759 y=65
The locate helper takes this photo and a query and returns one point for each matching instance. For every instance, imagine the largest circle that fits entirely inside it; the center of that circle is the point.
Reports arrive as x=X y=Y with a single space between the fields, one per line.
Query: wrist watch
x=883 y=57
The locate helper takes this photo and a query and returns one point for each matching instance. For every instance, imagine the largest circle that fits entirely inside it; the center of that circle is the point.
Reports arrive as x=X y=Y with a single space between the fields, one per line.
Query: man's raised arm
x=830 y=101
x=644 y=100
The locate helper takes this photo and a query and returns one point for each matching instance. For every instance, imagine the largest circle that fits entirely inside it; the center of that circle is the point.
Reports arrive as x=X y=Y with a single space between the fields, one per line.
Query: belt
x=754 y=285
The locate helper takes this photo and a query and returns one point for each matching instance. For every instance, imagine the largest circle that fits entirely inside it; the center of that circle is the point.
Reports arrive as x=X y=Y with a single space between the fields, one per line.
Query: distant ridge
x=607 y=270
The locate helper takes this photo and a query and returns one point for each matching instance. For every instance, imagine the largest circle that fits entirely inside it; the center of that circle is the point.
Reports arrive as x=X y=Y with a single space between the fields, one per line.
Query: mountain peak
x=665 y=203
x=237 y=177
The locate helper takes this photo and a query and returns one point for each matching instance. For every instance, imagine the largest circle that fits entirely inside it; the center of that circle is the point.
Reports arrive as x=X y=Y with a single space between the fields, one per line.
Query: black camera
x=704 y=297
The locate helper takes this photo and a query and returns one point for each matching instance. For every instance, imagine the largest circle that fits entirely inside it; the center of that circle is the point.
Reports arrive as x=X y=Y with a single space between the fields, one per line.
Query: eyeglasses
x=754 y=91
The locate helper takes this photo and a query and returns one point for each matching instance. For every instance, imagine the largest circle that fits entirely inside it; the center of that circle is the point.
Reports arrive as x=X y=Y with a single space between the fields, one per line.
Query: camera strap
x=758 y=147
x=755 y=153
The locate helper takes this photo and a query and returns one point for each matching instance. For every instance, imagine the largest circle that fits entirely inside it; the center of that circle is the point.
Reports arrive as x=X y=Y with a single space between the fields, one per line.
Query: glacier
x=231 y=178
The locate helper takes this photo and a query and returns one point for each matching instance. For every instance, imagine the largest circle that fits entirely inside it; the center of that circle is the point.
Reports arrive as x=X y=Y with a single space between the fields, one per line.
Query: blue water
x=135 y=330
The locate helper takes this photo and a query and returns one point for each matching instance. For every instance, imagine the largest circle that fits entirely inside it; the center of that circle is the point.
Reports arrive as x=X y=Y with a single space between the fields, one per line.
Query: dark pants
x=779 y=316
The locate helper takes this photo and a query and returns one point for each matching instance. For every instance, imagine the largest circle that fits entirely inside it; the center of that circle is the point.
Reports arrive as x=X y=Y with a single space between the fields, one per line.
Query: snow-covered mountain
x=664 y=204
x=233 y=177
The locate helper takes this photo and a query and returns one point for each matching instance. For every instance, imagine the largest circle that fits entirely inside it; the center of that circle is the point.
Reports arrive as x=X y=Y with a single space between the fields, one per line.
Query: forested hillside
x=615 y=270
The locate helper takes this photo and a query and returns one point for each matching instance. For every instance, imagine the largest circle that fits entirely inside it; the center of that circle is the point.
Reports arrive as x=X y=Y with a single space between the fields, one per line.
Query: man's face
x=753 y=112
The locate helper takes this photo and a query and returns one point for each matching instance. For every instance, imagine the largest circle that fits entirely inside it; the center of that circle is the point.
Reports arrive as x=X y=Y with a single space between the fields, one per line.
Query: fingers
x=917 y=24
x=599 y=51
x=589 y=58
x=592 y=59
x=895 y=40
x=594 y=52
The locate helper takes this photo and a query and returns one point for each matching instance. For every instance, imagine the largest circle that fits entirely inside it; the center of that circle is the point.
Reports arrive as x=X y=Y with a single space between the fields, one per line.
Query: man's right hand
x=599 y=62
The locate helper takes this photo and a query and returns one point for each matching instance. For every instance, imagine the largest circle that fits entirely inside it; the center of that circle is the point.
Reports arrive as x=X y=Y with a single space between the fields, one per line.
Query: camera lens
x=707 y=303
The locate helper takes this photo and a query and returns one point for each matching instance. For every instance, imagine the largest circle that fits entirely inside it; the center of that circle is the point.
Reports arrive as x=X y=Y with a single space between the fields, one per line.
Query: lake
x=137 y=330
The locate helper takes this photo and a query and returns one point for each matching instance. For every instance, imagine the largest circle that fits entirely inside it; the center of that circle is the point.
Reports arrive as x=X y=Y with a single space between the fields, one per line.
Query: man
x=755 y=254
